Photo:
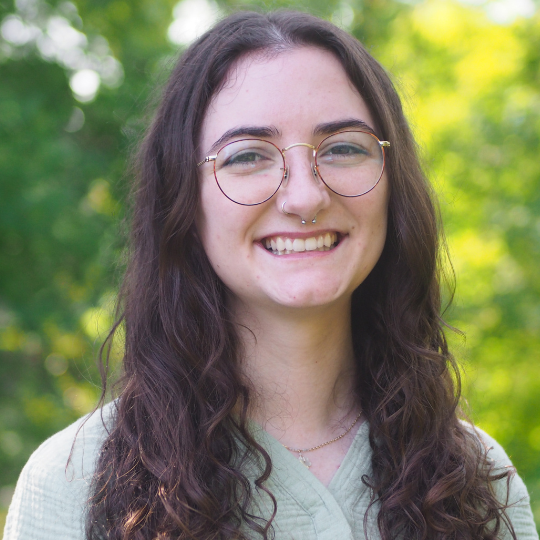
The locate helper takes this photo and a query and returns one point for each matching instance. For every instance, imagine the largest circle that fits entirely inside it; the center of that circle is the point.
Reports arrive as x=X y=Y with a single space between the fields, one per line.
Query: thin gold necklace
x=304 y=460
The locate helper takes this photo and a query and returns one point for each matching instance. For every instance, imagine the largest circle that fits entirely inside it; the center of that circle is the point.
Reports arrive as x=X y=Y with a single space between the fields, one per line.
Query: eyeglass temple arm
x=384 y=143
x=206 y=160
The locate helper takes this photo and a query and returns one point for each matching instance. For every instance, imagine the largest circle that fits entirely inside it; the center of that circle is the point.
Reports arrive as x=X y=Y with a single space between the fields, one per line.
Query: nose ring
x=314 y=220
x=283 y=208
x=303 y=221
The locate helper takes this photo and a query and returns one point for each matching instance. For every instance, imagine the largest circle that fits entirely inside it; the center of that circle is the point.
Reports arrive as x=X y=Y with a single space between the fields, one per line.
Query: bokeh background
x=75 y=80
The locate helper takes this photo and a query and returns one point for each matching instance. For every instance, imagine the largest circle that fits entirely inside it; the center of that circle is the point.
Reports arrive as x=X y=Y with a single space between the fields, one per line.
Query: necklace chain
x=301 y=451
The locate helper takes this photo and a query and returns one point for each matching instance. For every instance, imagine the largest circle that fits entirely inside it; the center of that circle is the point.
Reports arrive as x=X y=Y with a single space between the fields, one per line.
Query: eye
x=245 y=157
x=342 y=152
x=343 y=149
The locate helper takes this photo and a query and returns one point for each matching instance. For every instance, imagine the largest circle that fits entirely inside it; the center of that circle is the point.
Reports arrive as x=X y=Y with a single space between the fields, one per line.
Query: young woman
x=286 y=371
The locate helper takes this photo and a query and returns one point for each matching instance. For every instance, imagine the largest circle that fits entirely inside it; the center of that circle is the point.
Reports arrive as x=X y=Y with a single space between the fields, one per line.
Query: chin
x=306 y=299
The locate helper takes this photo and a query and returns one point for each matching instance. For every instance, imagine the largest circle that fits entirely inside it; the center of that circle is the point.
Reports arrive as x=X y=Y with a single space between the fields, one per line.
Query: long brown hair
x=173 y=463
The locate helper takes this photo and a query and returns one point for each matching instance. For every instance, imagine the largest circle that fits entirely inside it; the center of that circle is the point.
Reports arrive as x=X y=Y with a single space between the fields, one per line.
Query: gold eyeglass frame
x=285 y=168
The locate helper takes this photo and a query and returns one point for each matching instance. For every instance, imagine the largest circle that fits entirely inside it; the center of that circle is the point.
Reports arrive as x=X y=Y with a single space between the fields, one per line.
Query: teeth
x=311 y=244
x=284 y=246
x=298 y=245
x=328 y=240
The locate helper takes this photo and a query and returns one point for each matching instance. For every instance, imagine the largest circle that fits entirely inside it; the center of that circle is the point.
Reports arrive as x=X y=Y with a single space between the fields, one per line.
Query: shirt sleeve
x=519 y=512
x=52 y=492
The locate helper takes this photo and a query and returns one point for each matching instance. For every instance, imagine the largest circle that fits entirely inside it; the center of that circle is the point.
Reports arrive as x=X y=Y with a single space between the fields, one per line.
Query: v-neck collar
x=329 y=509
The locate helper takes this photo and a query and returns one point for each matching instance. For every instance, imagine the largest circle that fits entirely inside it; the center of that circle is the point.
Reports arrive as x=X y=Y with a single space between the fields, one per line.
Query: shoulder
x=501 y=461
x=53 y=488
x=71 y=453
x=512 y=490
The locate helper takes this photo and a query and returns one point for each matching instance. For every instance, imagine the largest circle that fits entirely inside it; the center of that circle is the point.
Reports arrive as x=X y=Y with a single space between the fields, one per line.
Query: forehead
x=292 y=91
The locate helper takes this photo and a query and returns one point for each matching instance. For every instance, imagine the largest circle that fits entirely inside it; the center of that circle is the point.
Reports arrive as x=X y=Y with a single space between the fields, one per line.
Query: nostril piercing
x=303 y=221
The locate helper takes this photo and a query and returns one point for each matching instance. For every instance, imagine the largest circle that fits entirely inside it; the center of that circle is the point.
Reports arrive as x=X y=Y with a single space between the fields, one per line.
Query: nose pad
x=313 y=170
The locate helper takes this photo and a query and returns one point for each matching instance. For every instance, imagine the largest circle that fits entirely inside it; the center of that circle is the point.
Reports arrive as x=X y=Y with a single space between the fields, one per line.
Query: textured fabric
x=50 y=499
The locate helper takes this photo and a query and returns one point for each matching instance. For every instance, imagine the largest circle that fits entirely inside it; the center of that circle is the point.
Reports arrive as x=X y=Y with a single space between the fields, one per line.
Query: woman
x=286 y=371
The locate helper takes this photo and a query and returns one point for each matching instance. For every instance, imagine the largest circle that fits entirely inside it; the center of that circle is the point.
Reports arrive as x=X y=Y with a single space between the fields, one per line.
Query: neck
x=301 y=369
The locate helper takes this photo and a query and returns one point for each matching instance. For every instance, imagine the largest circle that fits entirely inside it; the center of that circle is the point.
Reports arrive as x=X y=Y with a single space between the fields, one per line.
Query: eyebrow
x=245 y=131
x=339 y=125
x=271 y=131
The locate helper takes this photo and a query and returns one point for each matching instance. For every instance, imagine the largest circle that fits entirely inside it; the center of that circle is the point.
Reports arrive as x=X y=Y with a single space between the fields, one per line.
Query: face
x=289 y=96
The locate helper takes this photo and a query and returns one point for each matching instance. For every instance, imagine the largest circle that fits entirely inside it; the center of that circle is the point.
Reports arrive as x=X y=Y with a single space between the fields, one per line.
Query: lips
x=284 y=245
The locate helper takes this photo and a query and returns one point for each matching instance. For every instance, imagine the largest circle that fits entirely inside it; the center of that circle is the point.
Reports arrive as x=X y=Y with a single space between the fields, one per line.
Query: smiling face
x=266 y=257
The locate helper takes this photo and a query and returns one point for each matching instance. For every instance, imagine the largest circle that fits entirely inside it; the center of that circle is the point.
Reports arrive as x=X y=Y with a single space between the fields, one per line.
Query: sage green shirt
x=50 y=499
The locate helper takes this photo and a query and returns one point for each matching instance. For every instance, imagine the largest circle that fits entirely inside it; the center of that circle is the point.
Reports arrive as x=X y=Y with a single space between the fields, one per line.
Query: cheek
x=380 y=205
x=371 y=210
x=371 y=226
x=212 y=233
x=379 y=227
x=220 y=225
x=209 y=226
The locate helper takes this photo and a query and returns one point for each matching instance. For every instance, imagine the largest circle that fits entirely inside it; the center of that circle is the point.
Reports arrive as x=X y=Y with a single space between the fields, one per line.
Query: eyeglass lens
x=250 y=171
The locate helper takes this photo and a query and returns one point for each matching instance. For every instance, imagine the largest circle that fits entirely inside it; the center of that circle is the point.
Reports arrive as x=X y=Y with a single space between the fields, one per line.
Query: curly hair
x=174 y=462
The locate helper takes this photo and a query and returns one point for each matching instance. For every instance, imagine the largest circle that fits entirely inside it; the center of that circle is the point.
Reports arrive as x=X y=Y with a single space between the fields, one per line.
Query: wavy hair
x=173 y=464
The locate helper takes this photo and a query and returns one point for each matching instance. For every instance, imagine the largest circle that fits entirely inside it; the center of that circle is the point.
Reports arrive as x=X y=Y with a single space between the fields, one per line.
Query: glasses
x=250 y=171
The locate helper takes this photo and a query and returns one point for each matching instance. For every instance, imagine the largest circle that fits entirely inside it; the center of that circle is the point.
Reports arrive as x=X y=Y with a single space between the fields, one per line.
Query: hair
x=174 y=462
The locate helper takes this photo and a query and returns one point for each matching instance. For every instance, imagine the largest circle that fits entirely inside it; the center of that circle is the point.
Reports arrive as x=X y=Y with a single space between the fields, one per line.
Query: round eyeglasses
x=250 y=171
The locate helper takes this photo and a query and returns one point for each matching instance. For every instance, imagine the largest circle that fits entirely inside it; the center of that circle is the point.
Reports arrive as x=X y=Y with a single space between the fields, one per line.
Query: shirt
x=50 y=498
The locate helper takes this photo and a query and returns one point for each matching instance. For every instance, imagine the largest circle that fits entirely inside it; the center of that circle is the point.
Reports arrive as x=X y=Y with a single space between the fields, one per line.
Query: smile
x=282 y=245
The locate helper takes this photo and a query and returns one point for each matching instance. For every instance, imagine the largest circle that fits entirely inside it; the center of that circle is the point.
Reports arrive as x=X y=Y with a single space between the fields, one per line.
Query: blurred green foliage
x=471 y=88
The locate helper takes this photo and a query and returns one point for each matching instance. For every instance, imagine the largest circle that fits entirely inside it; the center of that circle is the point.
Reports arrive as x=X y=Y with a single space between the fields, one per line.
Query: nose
x=302 y=192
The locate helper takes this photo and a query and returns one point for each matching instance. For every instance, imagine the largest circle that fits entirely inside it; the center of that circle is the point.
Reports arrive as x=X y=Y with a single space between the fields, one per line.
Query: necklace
x=304 y=460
